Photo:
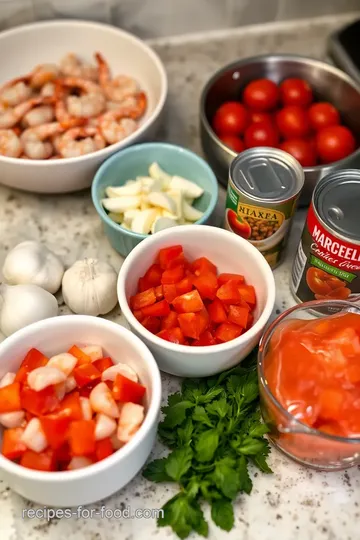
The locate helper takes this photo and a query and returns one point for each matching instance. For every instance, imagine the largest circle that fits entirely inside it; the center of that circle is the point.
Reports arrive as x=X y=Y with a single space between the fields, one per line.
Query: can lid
x=267 y=174
x=337 y=202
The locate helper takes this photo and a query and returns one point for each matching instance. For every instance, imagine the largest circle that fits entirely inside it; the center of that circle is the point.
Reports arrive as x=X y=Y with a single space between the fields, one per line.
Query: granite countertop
x=295 y=503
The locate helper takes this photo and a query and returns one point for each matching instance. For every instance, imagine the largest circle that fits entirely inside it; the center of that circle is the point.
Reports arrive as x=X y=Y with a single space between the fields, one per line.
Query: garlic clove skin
x=21 y=305
x=33 y=263
x=89 y=287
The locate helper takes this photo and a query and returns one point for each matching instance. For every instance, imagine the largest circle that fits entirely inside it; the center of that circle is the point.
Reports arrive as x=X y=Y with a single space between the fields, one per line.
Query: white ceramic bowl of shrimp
x=24 y=47
x=102 y=479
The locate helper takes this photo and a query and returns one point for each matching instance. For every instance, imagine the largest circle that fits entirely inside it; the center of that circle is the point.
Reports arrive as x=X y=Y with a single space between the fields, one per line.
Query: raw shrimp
x=131 y=418
x=101 y=401
x=43 y=74
x=10 y=144
x=72 y=66
x=15 y=92
x=34 y=437
x=110 y=373
x=39 y=115
x=118 y=88
x=10 y=117
x=65 y=362
x=41 y=377
x=35 y=140
x=114 y=127
x=79 y=141
x=104 y=426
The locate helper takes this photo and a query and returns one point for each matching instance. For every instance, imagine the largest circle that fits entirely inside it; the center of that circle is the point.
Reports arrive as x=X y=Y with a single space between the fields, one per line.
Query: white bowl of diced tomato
x=79 y=407
x=199 y=297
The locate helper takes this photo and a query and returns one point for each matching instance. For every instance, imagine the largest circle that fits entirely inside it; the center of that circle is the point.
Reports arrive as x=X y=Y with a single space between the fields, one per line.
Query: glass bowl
x=306 y=445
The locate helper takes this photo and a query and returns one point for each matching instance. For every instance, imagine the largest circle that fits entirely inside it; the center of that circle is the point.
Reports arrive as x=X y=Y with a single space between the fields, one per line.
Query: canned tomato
x=327 y=264
x=263 y=189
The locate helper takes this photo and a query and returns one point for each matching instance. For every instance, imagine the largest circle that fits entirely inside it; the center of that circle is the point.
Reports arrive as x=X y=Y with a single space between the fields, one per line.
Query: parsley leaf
x=218 y=407
x=178 y=463
x=200 y=415
x=185 y=432
x=183 y=515
x=244 y=478
x=222 y=514
x=206 y=445
x=155 y=471
x=226 y=478
x=176 y=414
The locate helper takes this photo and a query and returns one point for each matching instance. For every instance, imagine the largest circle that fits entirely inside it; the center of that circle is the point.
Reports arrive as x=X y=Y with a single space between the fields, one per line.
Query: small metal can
x=327 y=263
x=263 y=190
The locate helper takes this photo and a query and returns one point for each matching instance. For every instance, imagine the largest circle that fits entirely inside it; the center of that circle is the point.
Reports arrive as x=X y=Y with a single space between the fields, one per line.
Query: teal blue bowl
x=135 y=161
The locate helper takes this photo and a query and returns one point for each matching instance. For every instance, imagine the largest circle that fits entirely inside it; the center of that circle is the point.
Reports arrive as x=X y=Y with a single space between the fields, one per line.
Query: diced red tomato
x=12 y=446
x=188 y=303
x=32 y=360
x=203 y=265
x=38 y=403
x=247 y=293
x=152 y=324
x=217 y=311
x=153 y=276
x=192 y=324
x=207 y=285
x=170 y=321
x=229 y=292
x=103 y=363
x=173 y=275
x=86 y=374
x=103 y=449
x=143 y=299
x=142 y=285
x=223 y=278
x=174 y=335
x=10 y=398
x=160 y=309
x=82 y=357
x=238 y=315
x=70 y=407
x=159 y=292
x=43 y=461
x=125 y=390
x=205 y=339
x=184 y=286
x=170 y=292
x=82 y=437
x=55 y=427
x=168 y=255
x=228 y=331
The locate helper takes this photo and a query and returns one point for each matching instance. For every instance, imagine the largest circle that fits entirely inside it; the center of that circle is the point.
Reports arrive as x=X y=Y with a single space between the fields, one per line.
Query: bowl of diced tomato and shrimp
x=79 y=406
x=198 y=296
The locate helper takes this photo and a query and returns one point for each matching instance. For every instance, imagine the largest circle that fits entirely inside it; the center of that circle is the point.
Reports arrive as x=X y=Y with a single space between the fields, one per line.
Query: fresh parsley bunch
x=214 y=429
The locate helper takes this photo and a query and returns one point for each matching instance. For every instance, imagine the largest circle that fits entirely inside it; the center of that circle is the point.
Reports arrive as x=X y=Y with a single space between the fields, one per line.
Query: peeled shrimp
x=43 y=74
x=70 y=384
x=35 y=140
x=10 y=144
x=118 y=88
x=86 y=408
x=72 y=66
x=48 y=90
x=39 y=115
x=7 y=379
x=110 y=373
x=104 y=426
x=40 y=378
x=65 y=362
x=101 y=401
x=34 y=437
x=86 y=106
x=114 y=127
x=15 y=92
x=131 y=418
x=10 y=117
x=80 y=141
x=94 y=351
x=12 y=419
x=79 y=462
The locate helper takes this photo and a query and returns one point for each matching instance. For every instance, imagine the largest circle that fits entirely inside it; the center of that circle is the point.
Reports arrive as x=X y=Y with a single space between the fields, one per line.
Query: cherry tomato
x=235 y=143
x=323 y=115
x=335 y=143
x=261 y=95
x=261 y=134
x=301 y=150
x=293 y=122
x=296 y=92
x=256 y=117
x=231 y=119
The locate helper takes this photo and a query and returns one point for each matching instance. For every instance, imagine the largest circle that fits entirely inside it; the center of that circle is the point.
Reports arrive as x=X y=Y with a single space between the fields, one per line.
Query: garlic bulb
x=21 y=305
x=33 y=263
x=89 y=287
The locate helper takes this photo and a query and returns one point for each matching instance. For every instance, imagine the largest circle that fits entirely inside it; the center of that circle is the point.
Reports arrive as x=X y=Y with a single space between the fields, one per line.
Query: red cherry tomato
x=261 y=134
x=257 y=117
x=231 y=118
x=301 y=150
x=261 y=95
x=323 y=115
x=293 y=122
x=235 y=143
x=335 y=143
x=296 y=92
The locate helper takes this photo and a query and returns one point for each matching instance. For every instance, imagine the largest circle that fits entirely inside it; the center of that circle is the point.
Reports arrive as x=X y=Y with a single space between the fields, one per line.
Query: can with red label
x=327 y=264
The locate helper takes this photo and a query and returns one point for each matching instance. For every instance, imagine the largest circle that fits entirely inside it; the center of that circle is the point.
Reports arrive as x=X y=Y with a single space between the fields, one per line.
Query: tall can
x=327 y=263
x=263 y=190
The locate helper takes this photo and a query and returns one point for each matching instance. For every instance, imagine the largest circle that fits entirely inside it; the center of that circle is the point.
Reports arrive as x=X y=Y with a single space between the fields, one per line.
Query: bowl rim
x=105 y=152
x=305 y=429
x=204 y=350
x=214 y=193
x=297 y=58
x=150 y=419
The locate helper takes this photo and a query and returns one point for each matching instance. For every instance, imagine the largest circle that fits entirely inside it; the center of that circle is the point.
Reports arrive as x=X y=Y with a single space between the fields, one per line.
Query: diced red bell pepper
x=250 y=321
x=142 y=285
x=160 y=309
x=85 y=391
x=170 y=292
x=138 y=314
x=143 y=299
x=86 y=374
x=174 y=335
x=82 y=437
x=217 y=311
x=103 y=363
x=43 y=461
x=168 y=255
x=153 y=275
x=32 y=360
x=228 y=331
x=82 y=358
x=188 y=303
x=170 y=321
x=152 y=324
x=70 y=407
x=39 y=403
x=172 y=275
x=205 y=340
x=207 y=285
x=184 y=286
x=247 y=293
x=192 y=324
x=55 y=427
x=63 y=455
x=12 y=446
x=238 y=315
x=229 y=293
x=125 y=390
x=159 y=292
x=103 y=449
x=223 y=278
x=10 y=398
x=203 y=265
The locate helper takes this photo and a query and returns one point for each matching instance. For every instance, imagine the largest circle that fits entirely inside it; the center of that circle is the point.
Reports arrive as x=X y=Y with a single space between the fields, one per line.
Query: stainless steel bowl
x=329 y=84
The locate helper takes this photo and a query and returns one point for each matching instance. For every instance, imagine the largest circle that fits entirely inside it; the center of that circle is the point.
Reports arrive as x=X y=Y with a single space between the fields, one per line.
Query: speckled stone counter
x=293 y=503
